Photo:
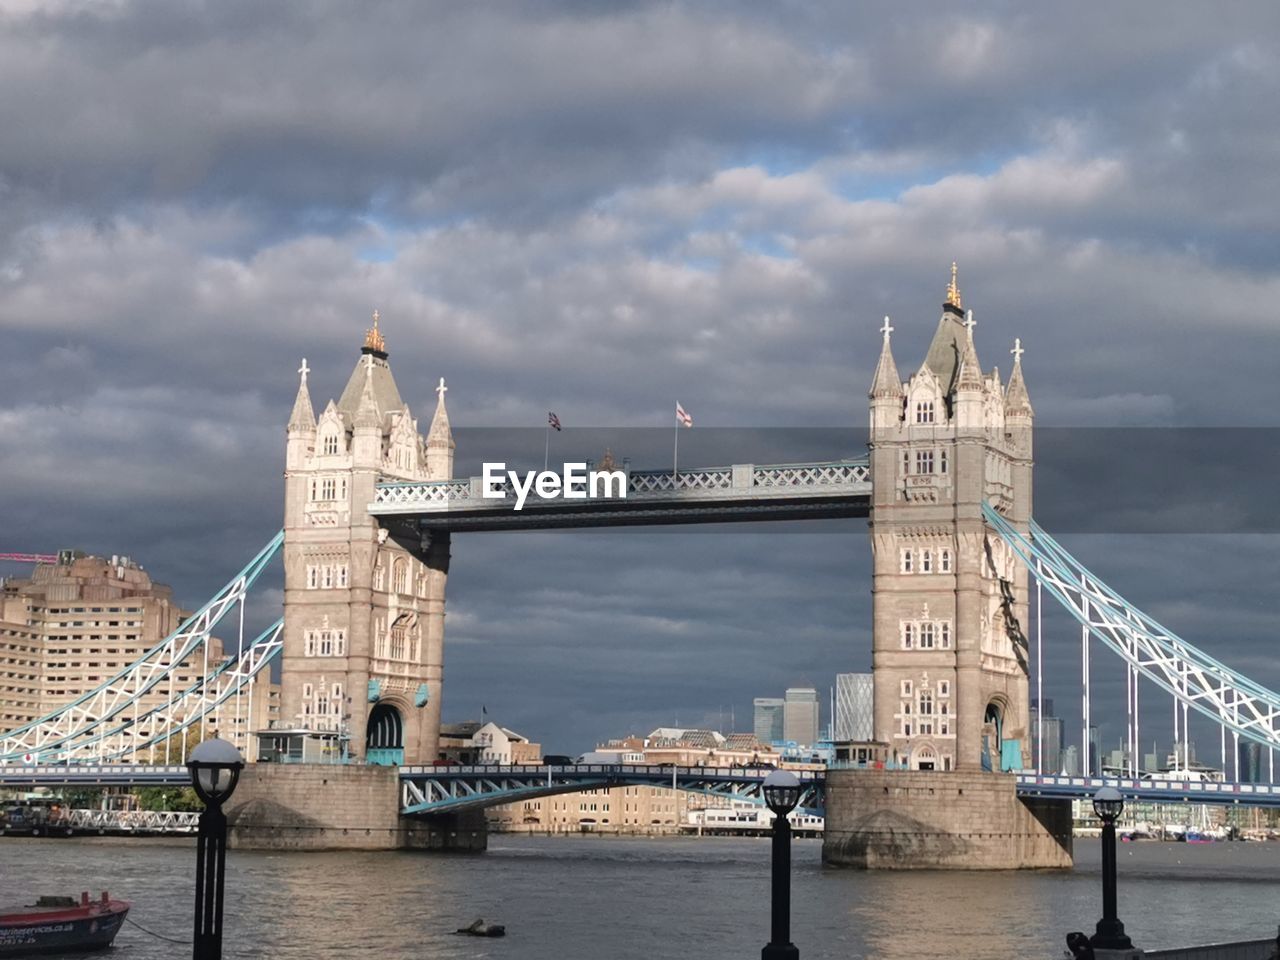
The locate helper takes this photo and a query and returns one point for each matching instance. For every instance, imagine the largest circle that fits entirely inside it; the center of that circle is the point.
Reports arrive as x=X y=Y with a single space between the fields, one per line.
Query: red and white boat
x=60 y=925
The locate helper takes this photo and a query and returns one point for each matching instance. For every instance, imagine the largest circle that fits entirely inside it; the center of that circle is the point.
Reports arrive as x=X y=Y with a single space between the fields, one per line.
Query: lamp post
x=781 y=793
x=215 y=767
x=1110 y=935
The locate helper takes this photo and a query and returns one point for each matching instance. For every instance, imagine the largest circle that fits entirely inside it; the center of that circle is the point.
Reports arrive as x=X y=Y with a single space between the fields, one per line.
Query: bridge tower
x=949 y=600
x=364 y=617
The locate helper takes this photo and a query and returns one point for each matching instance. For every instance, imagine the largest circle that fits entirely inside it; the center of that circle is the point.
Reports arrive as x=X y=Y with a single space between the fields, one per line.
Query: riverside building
x=73 y=625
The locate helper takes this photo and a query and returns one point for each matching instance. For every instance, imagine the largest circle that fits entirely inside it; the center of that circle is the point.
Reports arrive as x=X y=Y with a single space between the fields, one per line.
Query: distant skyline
x=603 y=210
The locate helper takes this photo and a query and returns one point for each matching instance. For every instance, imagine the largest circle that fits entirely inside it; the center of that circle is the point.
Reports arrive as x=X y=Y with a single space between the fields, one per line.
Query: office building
x=800 y=715
x=855 y=707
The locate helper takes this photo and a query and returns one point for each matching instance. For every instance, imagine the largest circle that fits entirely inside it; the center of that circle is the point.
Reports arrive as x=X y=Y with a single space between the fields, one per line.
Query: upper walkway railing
x=713 y=494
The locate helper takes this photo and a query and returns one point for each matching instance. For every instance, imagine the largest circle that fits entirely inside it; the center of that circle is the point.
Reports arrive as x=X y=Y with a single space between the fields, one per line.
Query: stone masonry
x=897 y=819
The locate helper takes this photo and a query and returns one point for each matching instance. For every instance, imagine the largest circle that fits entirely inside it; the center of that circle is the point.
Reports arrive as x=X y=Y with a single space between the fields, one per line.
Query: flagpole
x=675 y=456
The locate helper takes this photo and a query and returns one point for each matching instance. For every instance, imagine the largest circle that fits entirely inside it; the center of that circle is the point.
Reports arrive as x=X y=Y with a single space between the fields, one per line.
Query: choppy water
x=634 y=899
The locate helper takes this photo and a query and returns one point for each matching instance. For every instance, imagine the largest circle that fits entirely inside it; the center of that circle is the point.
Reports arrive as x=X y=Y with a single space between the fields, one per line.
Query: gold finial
x=953 y=291
x=373 y=339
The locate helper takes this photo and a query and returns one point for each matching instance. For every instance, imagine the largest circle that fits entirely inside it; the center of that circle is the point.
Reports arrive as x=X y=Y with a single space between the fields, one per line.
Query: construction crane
x=30 y=557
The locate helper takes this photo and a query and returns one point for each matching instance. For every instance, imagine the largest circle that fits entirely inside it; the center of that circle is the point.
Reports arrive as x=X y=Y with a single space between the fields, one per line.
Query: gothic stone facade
x=364 y=618
x=949 y=600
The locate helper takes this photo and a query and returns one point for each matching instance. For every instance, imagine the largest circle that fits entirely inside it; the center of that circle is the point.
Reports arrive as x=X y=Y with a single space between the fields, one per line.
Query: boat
x=61 y=925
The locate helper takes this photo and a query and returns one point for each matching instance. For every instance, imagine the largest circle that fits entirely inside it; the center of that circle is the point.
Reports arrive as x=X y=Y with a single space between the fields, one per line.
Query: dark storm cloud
x=601 y=209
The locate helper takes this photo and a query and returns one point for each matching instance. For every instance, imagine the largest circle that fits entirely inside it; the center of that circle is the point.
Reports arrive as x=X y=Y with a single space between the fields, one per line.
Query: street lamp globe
x=215 y=767
x=781 y=791
x=1108 y=804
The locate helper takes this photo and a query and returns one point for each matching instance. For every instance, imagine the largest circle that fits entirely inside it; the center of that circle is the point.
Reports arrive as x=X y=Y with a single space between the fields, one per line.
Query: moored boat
x=60 y=925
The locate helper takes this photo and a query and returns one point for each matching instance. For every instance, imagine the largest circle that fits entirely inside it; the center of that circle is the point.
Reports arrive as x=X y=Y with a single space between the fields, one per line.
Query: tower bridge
x=371 y=504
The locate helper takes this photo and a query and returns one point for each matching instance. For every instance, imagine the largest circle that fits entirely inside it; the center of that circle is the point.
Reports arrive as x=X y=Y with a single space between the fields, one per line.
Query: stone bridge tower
x=364 y=617
x=949 y=601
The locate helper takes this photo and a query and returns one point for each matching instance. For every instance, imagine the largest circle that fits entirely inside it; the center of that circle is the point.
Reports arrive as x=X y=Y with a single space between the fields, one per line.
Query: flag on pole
x=553 y=421
x=683 y=417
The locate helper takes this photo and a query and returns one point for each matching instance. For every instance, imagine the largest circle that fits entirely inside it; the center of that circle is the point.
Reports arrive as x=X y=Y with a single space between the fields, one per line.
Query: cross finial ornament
x=304 y=370
x=1017 y=350
x=441 y=390
x=886 y=329
x=375 y=318
x=969 y=322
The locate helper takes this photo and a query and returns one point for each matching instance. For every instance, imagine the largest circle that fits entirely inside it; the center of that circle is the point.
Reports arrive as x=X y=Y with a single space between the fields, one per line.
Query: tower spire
x=440 y=440
x=303 y=416
x=1016 y=399
x=886 y=383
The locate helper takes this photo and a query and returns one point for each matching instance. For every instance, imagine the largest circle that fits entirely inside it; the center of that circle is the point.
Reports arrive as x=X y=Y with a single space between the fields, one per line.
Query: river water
x=583 y=898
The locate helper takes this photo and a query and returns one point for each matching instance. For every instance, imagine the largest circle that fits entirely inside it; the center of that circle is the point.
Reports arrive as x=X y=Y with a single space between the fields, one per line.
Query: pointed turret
x=1016 y=400
x=969 y=376
x=886 y=383
x=303 y=417
x=372 y=365
x=440 y=440
x=366 y=446
x=886 y=387
x=947 y=345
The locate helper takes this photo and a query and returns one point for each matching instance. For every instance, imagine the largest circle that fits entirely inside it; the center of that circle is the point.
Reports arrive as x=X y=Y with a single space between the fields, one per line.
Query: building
x=363 y=612
x=1071 y=761
x=1049 y=731
x=855 y=708
x=949 y=601
x=75 y=624
x=800 y=715
x=634 y=809
x=1249 y=763
x=767 y=719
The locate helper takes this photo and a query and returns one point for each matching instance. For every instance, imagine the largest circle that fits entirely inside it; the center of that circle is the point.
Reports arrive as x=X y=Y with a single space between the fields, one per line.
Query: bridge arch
x=384 y=737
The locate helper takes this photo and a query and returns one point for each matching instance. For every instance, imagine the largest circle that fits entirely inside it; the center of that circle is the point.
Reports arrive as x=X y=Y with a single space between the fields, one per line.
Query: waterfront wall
x=1244 y=950
x=337 y=807
x=913 y=819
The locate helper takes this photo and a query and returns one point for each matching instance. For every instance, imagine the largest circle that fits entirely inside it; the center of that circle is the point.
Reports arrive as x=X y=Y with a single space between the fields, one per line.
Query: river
x=582 y=898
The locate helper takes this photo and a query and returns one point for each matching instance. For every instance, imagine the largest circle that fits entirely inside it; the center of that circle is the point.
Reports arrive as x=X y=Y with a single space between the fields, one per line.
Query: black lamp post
x=781 y=793
x=1108 y=805
x=215 y=767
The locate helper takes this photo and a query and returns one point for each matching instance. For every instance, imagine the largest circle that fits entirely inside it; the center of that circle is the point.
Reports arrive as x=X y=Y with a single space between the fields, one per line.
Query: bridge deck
x=743 y=491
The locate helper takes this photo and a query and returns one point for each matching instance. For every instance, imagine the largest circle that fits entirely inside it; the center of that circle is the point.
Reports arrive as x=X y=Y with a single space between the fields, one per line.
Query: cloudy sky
x=600 y=208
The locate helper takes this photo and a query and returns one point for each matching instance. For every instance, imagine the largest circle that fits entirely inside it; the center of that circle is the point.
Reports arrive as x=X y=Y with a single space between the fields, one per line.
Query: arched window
x=400 y=576
x=908 y=635
x=945 y=561
x=331 y=444
x=908 y=561
x=926 y=561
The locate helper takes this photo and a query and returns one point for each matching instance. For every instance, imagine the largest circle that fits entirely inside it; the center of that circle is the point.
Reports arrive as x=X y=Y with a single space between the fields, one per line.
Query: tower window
x=926 y=635
x=906 y=688
x=926 y=561
x=942 y=461
x=331 y=444
x=906 y=462
x=945 y=561
x=908 y=635
x=944 y=634
x=924 y=411
x=908 y=561
x=924 y=461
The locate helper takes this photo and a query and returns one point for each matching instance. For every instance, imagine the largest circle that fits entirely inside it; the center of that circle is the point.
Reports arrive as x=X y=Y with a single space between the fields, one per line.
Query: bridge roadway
x=743 y=491
x=431 y=789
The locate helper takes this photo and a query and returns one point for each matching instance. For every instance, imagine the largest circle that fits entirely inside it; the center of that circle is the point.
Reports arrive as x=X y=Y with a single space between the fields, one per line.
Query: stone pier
x=925 y=820
x=337 y=807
